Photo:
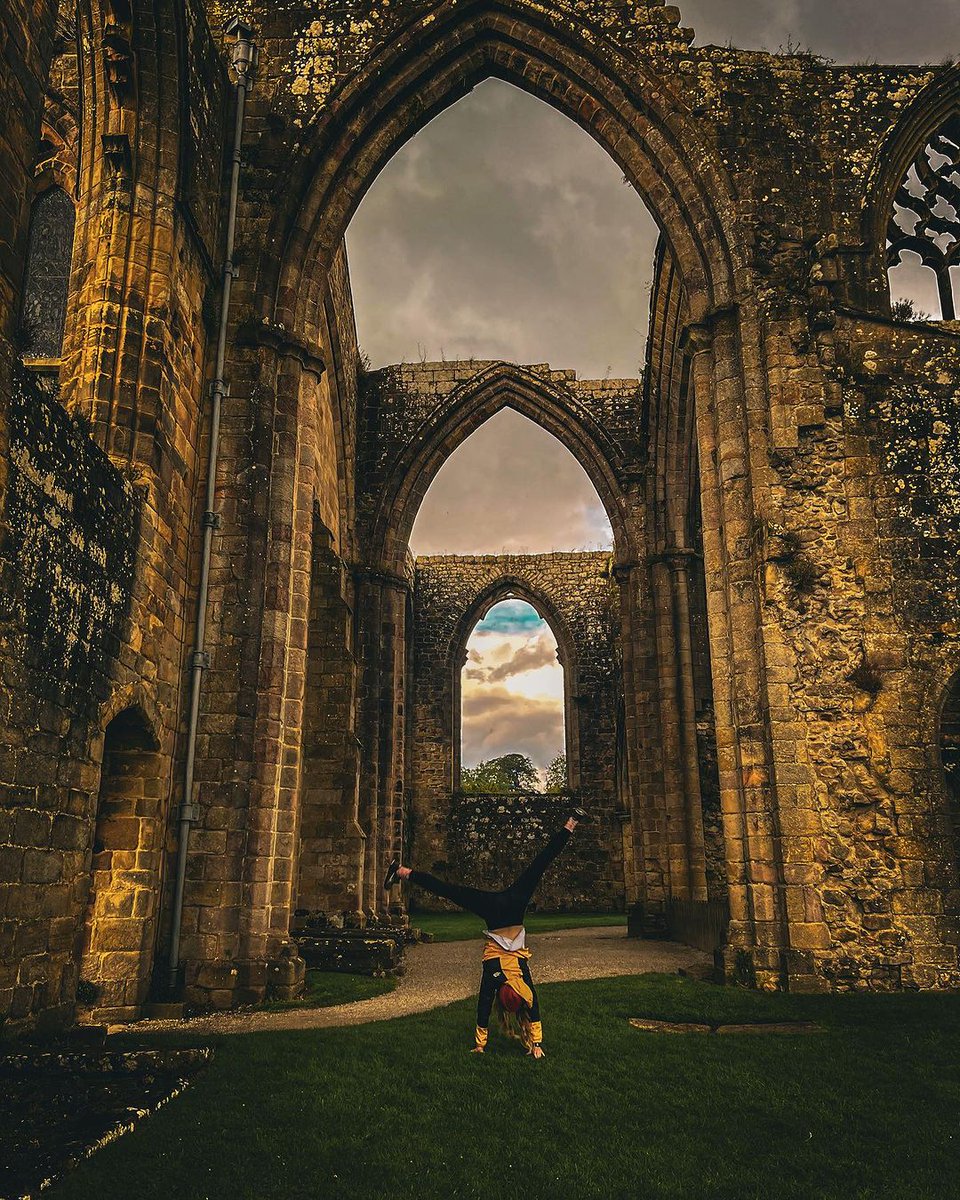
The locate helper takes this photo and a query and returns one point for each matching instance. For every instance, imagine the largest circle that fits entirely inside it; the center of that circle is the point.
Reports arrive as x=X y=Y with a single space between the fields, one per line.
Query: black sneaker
x=391 y=876
x=580 y=814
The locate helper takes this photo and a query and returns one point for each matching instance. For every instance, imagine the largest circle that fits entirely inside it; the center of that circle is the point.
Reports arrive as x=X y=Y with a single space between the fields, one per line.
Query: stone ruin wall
x=481 y=840
x=832 y=532
x=94 y=560
x=74 y=526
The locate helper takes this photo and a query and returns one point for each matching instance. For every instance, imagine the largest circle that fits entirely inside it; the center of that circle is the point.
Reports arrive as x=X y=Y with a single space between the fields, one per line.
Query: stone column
x=696 y=857
x=648 y=822
x=230 y=949
x=757 y=924
x=383 y=608
x=671 y=743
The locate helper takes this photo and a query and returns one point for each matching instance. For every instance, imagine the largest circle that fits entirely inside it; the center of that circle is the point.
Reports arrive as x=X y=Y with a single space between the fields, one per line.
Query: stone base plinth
x=224 y=985
x=355 y=951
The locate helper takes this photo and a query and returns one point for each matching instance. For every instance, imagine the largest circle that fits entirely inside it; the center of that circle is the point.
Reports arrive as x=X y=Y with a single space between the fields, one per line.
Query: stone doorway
x=119 y=929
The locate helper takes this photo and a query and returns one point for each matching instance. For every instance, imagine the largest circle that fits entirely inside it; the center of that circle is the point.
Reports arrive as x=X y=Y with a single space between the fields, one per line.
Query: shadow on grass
x=325 y=989
x=867 y=1109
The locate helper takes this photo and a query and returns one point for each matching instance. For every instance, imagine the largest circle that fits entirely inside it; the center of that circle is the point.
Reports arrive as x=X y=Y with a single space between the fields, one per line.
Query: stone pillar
x=383 y=722
x=331 y=839
x=696 y=857
x=230 y=949
x=671 y=740
x=647 y=820
x=757 y=932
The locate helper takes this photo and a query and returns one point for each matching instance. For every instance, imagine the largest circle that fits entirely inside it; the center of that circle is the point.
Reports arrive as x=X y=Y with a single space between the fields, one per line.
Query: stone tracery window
x=926 y=217
x=47 y=278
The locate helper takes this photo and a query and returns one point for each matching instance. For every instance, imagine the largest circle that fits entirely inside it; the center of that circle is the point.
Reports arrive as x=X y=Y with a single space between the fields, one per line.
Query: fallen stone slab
x=792 y=1027
x=356 y=952
x=649 y=1025
x=668 y=1026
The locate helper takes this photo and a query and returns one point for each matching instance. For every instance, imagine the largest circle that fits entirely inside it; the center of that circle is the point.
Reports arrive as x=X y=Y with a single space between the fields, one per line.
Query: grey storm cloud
x=496 y=722
x=850 y=31
x=503 y=231
x=542 y=652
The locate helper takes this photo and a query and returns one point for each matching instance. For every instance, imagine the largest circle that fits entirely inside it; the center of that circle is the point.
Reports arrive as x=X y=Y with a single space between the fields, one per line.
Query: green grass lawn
x=326 y=988
x=461 y=926
x=869 y=1108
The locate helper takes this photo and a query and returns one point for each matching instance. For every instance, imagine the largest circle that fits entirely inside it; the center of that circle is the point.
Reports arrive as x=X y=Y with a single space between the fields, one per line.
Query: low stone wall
x=490 y=839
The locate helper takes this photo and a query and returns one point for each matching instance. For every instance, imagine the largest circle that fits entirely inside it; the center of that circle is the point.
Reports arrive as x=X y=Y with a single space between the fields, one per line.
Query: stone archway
x=423 y=430
x=120 y=924
x=481 y=838
x=509 y=587
x=391 y=88
x=423 y=413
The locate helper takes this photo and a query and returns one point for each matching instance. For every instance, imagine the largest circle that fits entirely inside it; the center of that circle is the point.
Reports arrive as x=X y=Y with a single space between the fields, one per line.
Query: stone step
x=158 y=1011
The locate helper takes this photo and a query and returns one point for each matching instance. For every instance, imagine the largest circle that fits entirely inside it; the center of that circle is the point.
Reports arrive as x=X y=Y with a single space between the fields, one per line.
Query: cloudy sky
x=512 y=688
x=503 y=231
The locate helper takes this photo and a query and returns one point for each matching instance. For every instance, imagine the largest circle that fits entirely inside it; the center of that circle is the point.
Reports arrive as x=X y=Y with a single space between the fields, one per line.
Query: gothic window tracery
x=47 y=278
x=926 y=213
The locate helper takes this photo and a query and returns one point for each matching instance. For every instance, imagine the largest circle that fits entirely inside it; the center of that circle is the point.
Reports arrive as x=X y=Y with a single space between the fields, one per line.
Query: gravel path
x=440 y=972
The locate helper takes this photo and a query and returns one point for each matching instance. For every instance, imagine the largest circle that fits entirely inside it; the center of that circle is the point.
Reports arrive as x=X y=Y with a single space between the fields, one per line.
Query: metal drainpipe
x=243 y=60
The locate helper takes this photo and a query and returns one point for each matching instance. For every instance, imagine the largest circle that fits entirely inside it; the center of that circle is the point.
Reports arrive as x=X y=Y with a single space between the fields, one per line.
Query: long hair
x=514 y=1025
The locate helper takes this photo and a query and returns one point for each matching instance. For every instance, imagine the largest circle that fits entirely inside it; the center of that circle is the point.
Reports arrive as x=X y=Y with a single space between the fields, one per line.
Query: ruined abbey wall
x=782 y=488
x=481 y=839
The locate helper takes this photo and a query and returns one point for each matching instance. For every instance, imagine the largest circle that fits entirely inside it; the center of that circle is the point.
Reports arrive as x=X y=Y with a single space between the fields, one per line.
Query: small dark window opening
x=47 y=280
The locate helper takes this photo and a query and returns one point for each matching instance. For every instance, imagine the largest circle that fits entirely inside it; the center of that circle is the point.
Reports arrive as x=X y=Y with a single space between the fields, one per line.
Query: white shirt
x=512 y=945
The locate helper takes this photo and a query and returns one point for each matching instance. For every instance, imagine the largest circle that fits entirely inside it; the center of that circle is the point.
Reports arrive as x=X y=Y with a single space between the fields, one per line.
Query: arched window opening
x=120 y=924
x=510 y=488
x=47 y=278
x=502 y=231
x=923 y=237
x=512 y=704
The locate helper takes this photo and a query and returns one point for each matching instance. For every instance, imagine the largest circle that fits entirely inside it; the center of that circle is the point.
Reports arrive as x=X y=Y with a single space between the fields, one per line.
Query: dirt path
x=441 y=972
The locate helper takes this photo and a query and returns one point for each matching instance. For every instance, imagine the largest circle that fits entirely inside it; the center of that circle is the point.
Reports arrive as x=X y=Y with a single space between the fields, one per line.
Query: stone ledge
x=648 y=1025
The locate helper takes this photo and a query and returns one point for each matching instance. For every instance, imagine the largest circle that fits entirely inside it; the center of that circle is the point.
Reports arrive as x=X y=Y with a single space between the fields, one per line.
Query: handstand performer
x=506 y=974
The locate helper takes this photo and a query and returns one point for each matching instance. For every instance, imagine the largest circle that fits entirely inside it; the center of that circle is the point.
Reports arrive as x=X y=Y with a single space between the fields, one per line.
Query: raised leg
x=526 y=883
x=471 y=899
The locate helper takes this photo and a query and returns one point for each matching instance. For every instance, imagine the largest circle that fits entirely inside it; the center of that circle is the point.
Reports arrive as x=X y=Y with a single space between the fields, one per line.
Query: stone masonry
x=782 y=485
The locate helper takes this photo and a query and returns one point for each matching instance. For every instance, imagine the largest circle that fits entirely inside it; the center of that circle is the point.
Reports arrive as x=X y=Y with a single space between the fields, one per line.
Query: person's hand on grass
x=536 y=1052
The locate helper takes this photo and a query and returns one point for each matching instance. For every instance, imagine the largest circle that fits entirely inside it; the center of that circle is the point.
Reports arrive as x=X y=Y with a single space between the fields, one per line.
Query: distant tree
x=496 y=776
x=485 y=777
x=907 y=310
x=557 y=775
x=523 y=775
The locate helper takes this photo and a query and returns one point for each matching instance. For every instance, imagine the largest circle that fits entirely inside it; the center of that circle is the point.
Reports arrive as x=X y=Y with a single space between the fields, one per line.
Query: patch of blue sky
x=512 y=616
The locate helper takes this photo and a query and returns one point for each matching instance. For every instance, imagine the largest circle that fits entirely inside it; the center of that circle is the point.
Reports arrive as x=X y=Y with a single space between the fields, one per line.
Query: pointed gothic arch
x=934 y=109
x=513 y=587
x=471 y=405
x=438 y=58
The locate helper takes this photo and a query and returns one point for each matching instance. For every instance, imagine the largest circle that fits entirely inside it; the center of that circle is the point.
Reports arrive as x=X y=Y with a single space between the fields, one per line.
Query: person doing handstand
x=506 y=974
